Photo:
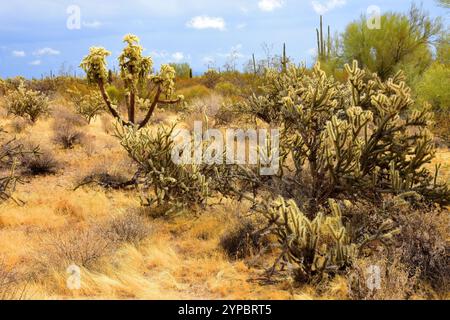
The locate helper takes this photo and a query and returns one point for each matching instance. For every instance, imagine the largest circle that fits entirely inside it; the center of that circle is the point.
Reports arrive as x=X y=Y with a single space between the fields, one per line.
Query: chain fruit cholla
x=139 y=82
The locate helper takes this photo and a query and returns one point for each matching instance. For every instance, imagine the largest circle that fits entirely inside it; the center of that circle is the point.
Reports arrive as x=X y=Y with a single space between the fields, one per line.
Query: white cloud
x=178 y=56
x=46 y=52
x=158 y=54
x=241 y=26
x=270 y=5
x=18 y=53
x=321 y=8
x=206 y=22
x=92 y=24
x=36 y=62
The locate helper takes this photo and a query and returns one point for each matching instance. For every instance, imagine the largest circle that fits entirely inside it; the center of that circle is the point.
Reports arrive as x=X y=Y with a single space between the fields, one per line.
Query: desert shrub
x=42 y=163
x=225 y=115
x=19 y=125
x=424 y=246
x=441 y=127
x=194 y=92
x=130 y=228
x=82 y=247
x=10 y=153
x=208 y=105
x=227 y=89
x=211 y=78
x=27 y=103
x=67 y=135
x=62 y=114
x=89 y=106
x=47 y=86
x=243 y=240
x=396 y=281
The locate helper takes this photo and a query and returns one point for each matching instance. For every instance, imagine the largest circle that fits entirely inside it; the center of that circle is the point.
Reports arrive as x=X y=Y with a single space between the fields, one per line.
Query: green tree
x=444 y=3
x=443 y=49
x=433 y=87
x=402 y=40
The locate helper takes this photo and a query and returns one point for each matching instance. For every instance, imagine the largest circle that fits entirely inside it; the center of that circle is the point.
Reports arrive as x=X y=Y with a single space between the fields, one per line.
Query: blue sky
x=35 y=38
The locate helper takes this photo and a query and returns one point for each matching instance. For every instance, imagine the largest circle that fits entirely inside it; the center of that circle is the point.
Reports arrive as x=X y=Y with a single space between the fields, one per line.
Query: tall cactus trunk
x=322 y=45
x=329 y=44
x=132 y=108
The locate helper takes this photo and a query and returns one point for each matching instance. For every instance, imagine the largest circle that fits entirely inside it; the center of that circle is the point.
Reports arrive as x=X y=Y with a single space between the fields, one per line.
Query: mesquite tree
x=136 y=73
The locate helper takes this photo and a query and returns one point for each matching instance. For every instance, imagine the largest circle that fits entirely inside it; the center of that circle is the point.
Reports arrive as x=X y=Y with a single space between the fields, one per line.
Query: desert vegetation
x=89 y=183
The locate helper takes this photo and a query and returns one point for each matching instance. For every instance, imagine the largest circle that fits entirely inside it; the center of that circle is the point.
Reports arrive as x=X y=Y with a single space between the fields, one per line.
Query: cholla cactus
x=89 y=106
x=26 y=103
x=353 y=139
x=135 y=71
x=175 y=186
x=320 y=245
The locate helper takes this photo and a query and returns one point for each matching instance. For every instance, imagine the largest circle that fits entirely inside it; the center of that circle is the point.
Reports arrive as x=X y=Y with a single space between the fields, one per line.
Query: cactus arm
x=105 y=97
x=152 y=107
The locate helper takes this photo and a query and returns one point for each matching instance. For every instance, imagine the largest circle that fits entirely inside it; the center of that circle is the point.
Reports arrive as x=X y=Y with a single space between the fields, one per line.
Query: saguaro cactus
x=284 y=59
x=323 y=46
x=135 y=71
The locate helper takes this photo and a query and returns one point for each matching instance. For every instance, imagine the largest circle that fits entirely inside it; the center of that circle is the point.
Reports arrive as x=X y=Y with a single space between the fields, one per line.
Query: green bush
x=194 y=92
x=434 y=87
x=227 y=89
